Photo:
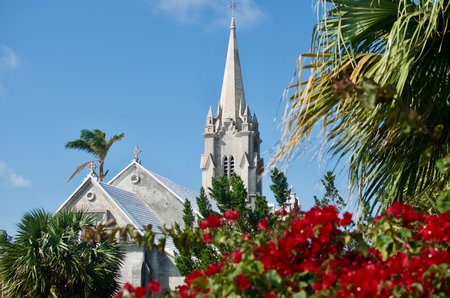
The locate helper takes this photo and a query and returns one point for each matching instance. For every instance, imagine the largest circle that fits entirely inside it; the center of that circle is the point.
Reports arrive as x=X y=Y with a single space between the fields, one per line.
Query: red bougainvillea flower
x=213 y=269
x=183 y=291
x=436 y=228
x=346 y=219
x=271 y=295
x=242 y=282
x=207 y=237
x=263 y=224
x=140 y=292
x=237 y=255
x=231 y=215
x=128 y=287
x=203 y=225
x=213 y=221
x=405 y=212
x=192 y=276
x=154 y=286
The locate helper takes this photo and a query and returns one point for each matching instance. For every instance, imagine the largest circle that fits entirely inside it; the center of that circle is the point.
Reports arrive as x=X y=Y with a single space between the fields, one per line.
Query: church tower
x=232 y=141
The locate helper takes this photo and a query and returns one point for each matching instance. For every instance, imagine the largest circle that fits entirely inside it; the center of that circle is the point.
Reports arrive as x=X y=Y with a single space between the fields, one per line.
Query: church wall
x=207 y=173
x=98 y=204
x=236 y=145
x=230 y=142
x=131 y=270
x=163 y=270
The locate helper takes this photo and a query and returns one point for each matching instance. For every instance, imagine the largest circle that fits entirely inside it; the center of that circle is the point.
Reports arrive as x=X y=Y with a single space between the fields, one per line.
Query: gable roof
x=135 y=210
x=138 y=212
x=182 y=193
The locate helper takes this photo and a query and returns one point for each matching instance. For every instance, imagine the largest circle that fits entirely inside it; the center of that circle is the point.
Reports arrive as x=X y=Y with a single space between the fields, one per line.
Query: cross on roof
x=92 y=167
x=136 y=152
x=233 y=7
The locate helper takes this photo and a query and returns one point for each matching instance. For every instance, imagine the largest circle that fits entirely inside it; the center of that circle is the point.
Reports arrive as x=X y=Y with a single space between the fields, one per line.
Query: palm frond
x=94 y=142
x=49 y=258
x=79 y=169
x=360 y=50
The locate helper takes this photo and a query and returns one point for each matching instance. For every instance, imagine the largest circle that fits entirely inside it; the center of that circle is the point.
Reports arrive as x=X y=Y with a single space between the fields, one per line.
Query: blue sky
x=150 y=69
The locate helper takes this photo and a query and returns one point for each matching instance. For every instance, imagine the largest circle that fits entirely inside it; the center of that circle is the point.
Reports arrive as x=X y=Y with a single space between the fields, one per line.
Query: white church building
x=138 y=196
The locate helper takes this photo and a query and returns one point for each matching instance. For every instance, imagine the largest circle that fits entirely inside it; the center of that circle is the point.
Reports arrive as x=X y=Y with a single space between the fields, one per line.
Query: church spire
x=232 y=99
x=232 y=142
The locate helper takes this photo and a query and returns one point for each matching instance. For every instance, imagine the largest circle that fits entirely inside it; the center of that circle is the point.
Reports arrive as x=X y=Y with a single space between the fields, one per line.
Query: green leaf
x=443 y=202
x=301 y=294
x=417 y=286
x=384 y=244
x=273 y=278
x=443 y=164
x=405 y=234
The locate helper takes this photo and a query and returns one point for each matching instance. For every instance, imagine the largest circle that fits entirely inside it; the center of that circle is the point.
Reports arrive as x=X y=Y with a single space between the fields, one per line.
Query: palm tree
x=94 y=142
x=379 y=85
x=49 y=258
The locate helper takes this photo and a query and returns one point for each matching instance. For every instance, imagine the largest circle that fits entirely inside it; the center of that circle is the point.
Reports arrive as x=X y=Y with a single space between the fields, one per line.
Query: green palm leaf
x=379 y=86
x=95 y=143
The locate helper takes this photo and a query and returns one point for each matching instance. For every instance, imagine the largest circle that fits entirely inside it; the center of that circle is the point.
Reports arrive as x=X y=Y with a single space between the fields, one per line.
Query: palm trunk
x=101 y=174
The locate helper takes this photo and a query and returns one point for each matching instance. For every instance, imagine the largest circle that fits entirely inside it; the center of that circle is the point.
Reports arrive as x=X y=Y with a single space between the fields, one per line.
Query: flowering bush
x=314 y=254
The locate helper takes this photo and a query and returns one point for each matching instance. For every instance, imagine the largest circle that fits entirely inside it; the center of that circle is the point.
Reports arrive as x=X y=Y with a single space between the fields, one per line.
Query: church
x=138 y=196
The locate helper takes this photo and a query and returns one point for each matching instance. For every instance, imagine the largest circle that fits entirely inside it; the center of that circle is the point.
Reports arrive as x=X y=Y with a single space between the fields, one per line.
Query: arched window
x=225 y=166
x=231 y=165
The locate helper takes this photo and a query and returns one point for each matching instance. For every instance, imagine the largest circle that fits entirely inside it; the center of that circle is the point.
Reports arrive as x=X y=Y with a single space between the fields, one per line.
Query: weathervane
x=136 y=152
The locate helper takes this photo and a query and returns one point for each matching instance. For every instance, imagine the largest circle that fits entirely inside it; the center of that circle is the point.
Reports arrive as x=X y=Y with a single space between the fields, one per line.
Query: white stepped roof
x=138 y=212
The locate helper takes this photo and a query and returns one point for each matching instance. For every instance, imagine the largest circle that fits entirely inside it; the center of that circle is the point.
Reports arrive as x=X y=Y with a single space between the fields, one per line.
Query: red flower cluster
x=138 y=292
x=436 y=228
x=212 y=221
x=310 y=253
x=231 y=215
x=213 y=269
x=242 y=282
x=237 y=256
x=263 y=224
x=154 y=286
x=405 y=212
x=207 y=237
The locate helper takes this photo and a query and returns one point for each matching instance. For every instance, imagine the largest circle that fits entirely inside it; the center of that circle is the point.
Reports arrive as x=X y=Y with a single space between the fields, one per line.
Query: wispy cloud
x=9 y=178
x=8 y=59
x=211 y=12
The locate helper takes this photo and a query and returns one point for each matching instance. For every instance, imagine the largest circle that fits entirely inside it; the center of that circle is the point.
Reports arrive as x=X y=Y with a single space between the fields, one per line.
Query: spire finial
x=233 y=8
x=136 y=152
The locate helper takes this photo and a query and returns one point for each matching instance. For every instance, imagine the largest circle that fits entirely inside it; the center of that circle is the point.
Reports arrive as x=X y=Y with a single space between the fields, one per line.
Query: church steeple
x=232 y=99
x=232 y=143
